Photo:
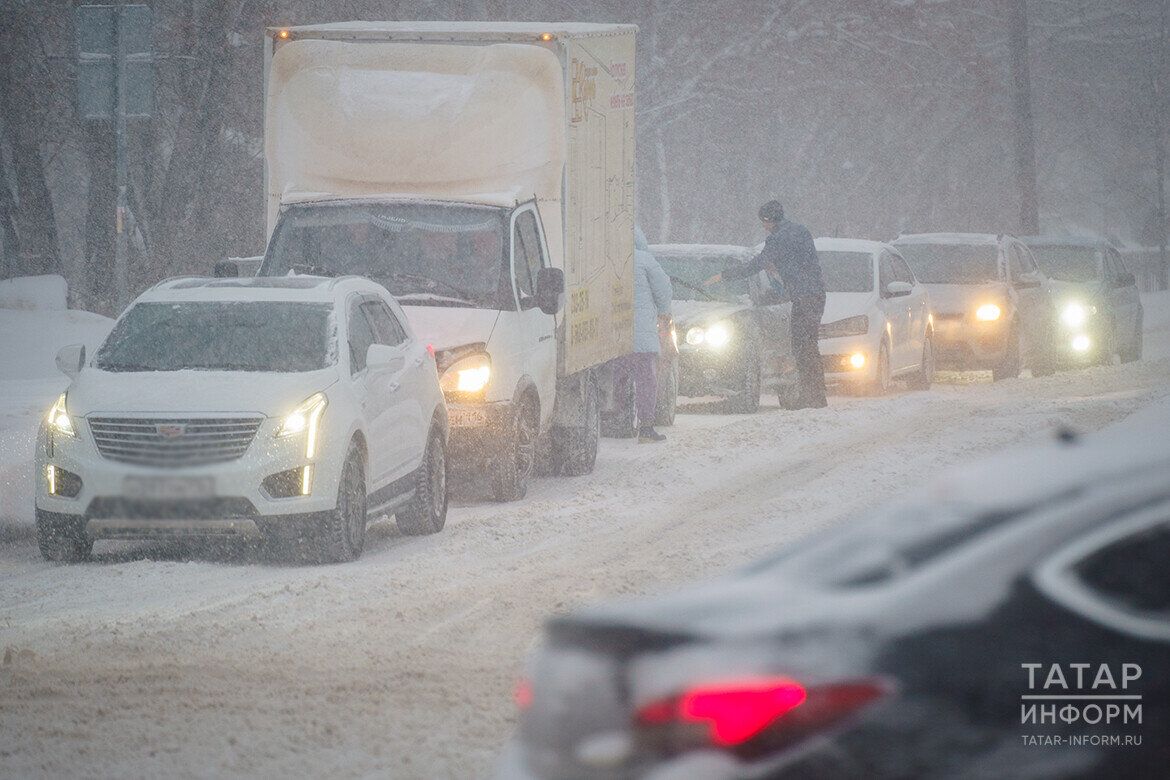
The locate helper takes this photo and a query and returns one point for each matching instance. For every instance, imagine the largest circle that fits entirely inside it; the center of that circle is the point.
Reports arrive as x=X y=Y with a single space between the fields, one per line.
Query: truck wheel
x=921 y=379
x=667 y=396
x=1009 y=365
x=62 y=538
x=575 y=449
x=1133 y=352
x=510 y=472
x=342 y=534
x=747 y=400
x=427 y=511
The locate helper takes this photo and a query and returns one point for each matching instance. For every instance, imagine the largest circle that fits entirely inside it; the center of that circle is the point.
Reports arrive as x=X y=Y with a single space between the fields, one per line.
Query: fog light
x=287 y=484
x=1081 y=343
x=857 y=360
x=62 y=483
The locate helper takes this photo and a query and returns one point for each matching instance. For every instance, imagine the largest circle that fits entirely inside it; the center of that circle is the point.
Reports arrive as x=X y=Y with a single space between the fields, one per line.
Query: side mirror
x=1027 y=282
x=225 y=269
x=550 y=286
x=898 y=289
x=382 y=356
x=71 y=359
x=1126 y=279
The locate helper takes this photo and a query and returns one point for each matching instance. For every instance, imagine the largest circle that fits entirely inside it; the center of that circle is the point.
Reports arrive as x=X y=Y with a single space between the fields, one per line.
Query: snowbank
x=34 y=292
x=29 y=339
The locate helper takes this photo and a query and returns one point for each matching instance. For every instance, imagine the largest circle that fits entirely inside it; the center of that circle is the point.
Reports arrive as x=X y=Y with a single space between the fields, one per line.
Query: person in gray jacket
x=652 y=296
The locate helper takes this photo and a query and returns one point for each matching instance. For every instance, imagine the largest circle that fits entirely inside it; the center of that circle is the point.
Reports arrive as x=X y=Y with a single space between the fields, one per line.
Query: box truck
x=484 y=174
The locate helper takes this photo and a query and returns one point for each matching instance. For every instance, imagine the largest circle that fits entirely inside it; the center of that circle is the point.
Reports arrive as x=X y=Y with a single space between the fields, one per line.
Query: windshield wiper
x=439 y=300
x=462 y=294
x=306 y=269
x=690 y=286
x=130 y=367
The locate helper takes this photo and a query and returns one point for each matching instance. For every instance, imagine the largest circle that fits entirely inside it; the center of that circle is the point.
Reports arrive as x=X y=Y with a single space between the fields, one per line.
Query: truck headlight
x=988 y=312
x=850 y=326
x=306 y=418
x=58 y=418
x=1075 y=314
x=468 y=375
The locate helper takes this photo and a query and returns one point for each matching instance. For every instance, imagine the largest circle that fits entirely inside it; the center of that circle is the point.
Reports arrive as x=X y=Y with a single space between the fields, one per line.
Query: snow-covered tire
x=667 y=396
x=575 y=449
x=747 y=400
x=62 y=538
x=1133 y=352
x=882 y=375
x=511 y=471
x=341 y=536
x=427 y=511
x=1009 y=365
x=922 y=378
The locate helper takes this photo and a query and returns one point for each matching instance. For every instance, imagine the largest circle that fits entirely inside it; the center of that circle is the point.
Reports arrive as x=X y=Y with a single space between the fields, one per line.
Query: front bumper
x=220 y=499
x=837 y=356
x=478 y=429
x=704 y=371
x=961 y=343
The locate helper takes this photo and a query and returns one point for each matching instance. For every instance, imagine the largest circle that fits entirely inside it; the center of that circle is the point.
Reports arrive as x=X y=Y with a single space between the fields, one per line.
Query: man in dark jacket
x=789 y=253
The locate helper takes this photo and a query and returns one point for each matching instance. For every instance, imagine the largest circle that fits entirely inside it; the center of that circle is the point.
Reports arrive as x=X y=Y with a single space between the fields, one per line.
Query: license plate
x=467 y=418
x=171 y=488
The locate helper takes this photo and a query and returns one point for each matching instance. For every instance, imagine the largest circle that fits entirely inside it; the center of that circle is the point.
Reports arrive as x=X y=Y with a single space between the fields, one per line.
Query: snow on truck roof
x=455 y=30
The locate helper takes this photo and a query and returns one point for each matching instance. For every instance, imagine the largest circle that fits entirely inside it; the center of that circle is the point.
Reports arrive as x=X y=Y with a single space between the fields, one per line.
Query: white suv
x=289 y=408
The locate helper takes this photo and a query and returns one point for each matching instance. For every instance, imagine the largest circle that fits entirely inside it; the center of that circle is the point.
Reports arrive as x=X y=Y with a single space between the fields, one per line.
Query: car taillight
x=750 y=715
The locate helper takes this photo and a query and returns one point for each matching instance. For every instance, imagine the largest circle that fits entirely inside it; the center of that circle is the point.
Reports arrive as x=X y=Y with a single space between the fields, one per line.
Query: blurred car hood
x=188 y=391
x=687 y=313
x=963 y=298
x=444 y=327
x=839 y=305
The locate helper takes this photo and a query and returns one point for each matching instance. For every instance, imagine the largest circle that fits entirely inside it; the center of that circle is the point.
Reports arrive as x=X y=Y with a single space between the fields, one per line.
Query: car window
x=361 y=336
x=885 y=271
x=384 y=324
x=1131 y=572
x=528 y=254
x=901 y=270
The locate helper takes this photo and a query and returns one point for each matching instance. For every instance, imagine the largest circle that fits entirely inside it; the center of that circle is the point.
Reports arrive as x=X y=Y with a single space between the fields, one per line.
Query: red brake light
x=431 y=350
x=767 y=712
x=523 y=694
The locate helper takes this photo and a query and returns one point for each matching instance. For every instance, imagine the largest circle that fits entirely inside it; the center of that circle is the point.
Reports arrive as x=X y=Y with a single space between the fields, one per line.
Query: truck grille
x=173 y=442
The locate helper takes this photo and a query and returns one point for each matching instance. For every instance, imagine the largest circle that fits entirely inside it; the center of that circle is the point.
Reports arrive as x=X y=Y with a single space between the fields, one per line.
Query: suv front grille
x=173 y=442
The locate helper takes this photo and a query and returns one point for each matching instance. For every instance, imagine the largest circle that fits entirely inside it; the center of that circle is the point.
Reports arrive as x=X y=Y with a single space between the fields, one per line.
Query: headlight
x=857 y=360
x=469 y=375
x=1074 y=315
x=988 y=312
x=1082 y=343
x=58 y=418
x=695 y=336
x=718 y=335
x=850 y=326
x=306 y=418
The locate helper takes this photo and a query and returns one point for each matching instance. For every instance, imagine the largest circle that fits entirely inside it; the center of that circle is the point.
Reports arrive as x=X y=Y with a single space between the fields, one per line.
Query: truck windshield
x=952 y=263
x=425 y=254
x=221 y=336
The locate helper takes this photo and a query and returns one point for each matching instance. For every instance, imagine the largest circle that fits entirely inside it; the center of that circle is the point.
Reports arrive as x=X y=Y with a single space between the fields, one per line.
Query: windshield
x=846 y=271
x=221 y=336
x=688 y=272
x=952 y=263
x=1069 y=263
x=423 y=253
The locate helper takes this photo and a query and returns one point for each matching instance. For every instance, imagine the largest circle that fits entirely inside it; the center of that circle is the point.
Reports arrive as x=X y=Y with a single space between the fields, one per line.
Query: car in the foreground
x=877 y=324
x=992 y=307
x=292 y=409
x=1098 y=307
x=1011 y=621
x=734 y=338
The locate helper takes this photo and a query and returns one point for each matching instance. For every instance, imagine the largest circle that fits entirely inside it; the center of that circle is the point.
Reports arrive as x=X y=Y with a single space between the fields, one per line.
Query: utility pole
x=1159 y=117
x=121 y=246
x=1025 y=137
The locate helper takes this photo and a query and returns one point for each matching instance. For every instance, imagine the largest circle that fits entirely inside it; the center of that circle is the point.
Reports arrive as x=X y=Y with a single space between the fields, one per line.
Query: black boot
x=650 y=436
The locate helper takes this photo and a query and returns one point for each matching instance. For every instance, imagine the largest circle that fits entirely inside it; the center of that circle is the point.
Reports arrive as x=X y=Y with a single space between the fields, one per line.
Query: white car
x=287 y=408
x=877 y=324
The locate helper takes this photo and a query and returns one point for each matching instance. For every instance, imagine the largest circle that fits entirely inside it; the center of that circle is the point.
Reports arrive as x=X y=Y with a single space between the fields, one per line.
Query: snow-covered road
x=210 y=661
